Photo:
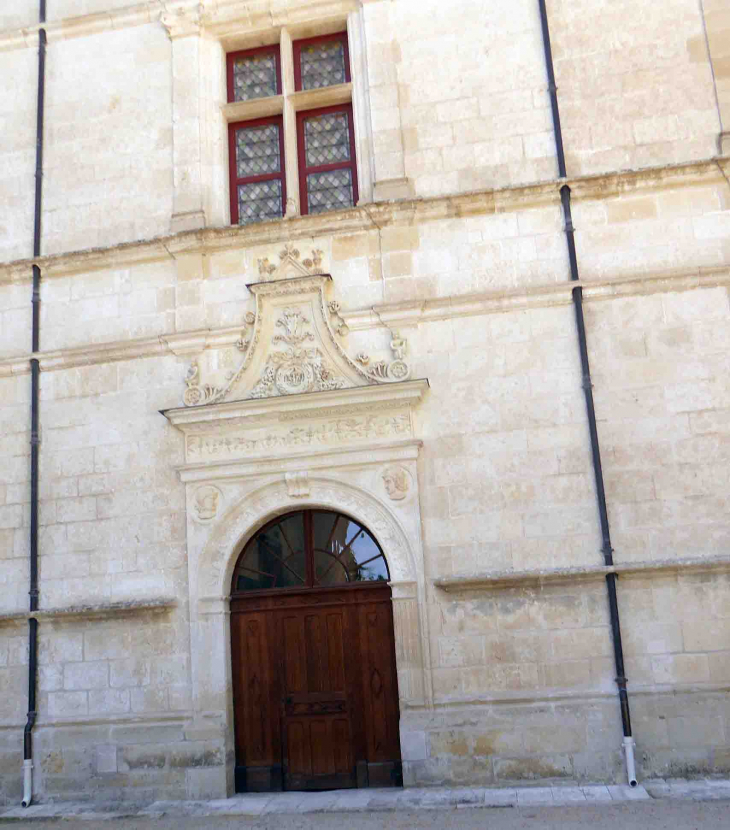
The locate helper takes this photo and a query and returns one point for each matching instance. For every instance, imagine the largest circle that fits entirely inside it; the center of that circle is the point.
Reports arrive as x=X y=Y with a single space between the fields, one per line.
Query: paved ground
x=669 y=805
x=643 y=815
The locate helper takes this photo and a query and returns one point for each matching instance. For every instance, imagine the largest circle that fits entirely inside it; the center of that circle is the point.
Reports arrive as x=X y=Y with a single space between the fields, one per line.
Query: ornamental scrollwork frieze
x=384 y=370
x=198 y=393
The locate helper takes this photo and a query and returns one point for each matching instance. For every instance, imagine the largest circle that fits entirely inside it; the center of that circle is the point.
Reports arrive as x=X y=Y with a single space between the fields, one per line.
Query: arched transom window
x=310 y=549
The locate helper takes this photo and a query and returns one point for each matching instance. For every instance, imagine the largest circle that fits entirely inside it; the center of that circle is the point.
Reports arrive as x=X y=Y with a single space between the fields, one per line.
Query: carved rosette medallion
x=294 y=377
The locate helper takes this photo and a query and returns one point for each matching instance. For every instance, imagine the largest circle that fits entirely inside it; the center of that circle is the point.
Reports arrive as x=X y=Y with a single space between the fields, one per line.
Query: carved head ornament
x=397 y=482
x=206 y=503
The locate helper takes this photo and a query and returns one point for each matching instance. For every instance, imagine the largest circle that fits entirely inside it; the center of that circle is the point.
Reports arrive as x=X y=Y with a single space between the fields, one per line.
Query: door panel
x=316 y=703
x=318 y=754
x=380 y=691
x=315 y=690
x=257 y=726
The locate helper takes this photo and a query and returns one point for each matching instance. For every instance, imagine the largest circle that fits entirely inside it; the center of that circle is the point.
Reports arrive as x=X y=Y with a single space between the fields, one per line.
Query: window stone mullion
x=290 y=126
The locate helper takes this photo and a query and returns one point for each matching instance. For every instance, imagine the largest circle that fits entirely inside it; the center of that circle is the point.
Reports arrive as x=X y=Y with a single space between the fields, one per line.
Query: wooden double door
x=315 y=689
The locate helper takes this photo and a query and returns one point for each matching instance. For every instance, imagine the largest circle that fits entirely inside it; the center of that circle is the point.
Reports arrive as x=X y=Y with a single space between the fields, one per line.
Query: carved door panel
x=255 y=703
x=318 y=732
x=379 y=691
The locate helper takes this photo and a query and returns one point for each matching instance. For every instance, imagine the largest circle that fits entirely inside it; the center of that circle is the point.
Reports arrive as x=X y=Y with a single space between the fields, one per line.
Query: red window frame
x=275 y=50
x=297 y=45
x=323 y=168
x=232 y=169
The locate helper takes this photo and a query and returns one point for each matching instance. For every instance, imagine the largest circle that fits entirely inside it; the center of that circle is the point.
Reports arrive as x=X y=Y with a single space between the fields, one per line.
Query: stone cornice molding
x=500 y=580
x=183 y=17
x=405 y=314
x=223 y=17
x=306 y=406
x=381 y=214
x=83 y=25
x=314 y=460
x=584 y=695
x=94 y=610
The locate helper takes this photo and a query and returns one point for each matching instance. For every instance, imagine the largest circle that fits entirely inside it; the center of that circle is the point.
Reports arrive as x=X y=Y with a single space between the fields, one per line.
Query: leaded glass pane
x=328 y=529
x=373 y=571
x=284 y=555
x=257 y=151
x=329 y=191
x=364 y=548
x=345 y=552
x=275 y=558
x=259 y=201
x=328 y=570
x=254 y=76
x=323 y=64
x=327 y=139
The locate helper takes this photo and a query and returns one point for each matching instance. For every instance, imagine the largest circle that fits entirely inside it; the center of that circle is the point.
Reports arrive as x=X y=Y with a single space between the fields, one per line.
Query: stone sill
x=255 y=108
x=109 y=610
x=554 y=576
x=327 y=96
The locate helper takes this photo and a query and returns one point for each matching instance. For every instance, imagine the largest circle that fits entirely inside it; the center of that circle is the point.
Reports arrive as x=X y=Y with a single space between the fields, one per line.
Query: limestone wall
x=17 y=155
x=108 y=164
x=636 y=85
x=521 y=675
x=451 y=108
x=718 y=40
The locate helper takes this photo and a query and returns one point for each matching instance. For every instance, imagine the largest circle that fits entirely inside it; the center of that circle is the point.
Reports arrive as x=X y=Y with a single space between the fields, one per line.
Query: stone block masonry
x=502 y=679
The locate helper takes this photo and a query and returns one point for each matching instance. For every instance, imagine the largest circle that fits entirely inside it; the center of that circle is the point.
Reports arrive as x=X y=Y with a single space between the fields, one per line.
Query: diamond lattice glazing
x=259 y=201
x=254 y=76
x=329 y=191
x=323 y=64
x=257 y=150
x=327 y=139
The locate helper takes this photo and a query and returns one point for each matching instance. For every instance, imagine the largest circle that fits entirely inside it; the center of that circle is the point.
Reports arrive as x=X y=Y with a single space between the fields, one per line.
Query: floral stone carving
x=295 y=368
x=293 y=344
x=291 y=264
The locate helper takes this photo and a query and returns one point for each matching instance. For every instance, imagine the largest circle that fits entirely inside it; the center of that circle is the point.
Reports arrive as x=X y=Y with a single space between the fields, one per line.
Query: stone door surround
x=350 y=447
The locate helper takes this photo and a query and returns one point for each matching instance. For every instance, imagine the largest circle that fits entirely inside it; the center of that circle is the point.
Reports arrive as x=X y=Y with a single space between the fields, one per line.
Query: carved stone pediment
x=292 y=344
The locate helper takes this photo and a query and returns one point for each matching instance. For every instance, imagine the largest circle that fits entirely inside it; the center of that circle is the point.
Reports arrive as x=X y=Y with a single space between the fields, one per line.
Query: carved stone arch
x=238 y=525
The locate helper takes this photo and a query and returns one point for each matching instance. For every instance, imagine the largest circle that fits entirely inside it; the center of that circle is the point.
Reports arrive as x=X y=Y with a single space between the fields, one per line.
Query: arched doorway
x=314 y=678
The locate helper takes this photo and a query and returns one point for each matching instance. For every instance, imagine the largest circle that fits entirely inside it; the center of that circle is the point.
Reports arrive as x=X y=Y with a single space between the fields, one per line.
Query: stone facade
x=457 y=249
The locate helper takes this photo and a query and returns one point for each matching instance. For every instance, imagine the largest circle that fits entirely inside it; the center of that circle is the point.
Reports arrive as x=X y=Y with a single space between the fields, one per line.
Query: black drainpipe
x=35 y=370
x=577 y=294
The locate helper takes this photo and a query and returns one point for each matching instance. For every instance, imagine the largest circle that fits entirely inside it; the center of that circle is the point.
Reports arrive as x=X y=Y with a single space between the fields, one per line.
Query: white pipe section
x=629 y=744
x=27 y=783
